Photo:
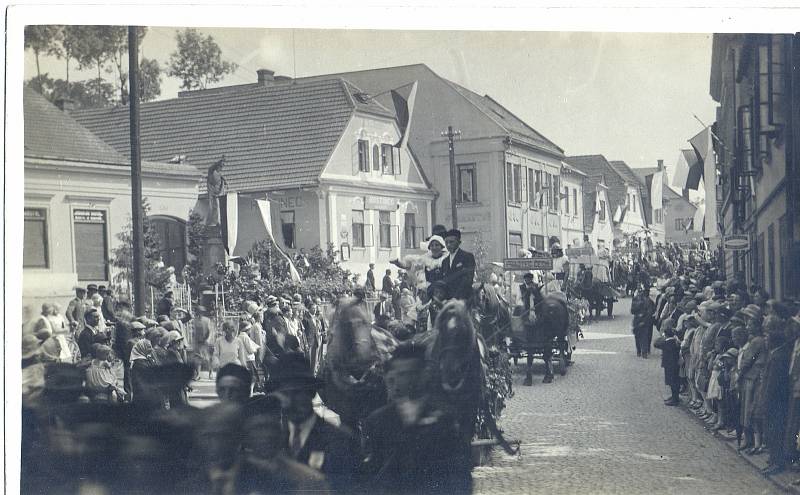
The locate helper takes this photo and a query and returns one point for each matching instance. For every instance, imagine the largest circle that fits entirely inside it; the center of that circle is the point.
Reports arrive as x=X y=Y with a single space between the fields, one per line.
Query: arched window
x=172 y=241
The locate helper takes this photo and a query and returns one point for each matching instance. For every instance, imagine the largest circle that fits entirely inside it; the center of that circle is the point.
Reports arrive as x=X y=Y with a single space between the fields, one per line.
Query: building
x=507 y=174
x=318 y=149
x=754 y=78
x=572 y=206
x=597 y=222
x=654 y=217
x=678 y=216
x=78 y=199
x=623 y=193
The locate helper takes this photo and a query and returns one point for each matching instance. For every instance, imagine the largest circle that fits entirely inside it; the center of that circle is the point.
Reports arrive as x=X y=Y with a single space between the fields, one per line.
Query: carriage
x=601 y=295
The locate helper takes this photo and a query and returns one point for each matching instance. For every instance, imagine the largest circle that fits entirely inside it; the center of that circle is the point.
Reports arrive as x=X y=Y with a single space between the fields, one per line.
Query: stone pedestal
x=213 y=250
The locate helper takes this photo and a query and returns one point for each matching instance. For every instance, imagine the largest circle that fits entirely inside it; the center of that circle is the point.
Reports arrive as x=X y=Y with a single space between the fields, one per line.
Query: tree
x=198 y=60
x=68 y=37
x=149 y=79
x=41 y=40
x=117 y=40
x=85 y=94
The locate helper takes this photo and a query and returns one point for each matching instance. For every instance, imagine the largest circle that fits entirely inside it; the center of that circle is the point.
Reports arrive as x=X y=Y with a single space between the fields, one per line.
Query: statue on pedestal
x=217 y=188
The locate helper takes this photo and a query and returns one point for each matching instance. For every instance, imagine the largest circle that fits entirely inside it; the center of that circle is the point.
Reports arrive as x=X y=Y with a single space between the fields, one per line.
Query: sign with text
x=736 y=242
x=540 y=261
x=380 y=203
x=578 y=252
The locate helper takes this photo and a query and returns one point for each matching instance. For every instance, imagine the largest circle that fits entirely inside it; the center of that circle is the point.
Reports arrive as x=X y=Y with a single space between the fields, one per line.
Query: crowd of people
x=731 y=352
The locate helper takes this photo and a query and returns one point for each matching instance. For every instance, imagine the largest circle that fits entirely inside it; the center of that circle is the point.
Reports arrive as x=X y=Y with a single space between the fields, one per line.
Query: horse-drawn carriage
x=599 y=292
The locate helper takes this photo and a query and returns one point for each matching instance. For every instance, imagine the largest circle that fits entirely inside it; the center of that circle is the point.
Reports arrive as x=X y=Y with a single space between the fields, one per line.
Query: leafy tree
x=93 y=47
x=85 y=94
x=197 y=62
x=149 y=79
x=41 y=40
x=68 y=38
x=122 y=255
x=117 y=42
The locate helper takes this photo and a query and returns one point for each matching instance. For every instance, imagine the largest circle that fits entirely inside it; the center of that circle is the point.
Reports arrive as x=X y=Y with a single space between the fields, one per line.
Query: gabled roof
x=380 y=80
x=276 y=136
x=54 y=134
x=596 y=166
x=625 y=171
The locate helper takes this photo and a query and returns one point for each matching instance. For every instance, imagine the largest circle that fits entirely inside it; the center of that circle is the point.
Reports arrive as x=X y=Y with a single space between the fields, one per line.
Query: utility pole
x=136 y=174
x=450 y=134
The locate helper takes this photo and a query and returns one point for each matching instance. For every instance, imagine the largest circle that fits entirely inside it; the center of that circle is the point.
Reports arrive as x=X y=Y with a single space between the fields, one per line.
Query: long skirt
x=748 y=401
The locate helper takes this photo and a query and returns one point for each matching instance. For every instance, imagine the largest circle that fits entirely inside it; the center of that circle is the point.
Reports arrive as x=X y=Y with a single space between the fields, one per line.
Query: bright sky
x=627 y=96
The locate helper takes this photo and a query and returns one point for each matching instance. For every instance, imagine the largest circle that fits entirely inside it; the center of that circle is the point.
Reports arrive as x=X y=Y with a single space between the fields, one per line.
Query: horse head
x=455 y=349
x=351 y=336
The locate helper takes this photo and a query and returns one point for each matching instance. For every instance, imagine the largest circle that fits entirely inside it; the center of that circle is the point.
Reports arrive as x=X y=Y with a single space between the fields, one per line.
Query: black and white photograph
x=407 y=249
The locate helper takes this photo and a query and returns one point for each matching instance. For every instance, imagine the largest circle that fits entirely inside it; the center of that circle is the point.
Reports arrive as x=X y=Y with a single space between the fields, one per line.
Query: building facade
x=322 y=154
x=754 y=78
x=597 y=221
x=678 y=216
x=78 y=199
x=654 y=217
x=572 y=206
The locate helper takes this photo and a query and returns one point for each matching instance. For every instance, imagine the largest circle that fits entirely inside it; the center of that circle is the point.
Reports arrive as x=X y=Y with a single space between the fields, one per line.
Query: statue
x=217 y=188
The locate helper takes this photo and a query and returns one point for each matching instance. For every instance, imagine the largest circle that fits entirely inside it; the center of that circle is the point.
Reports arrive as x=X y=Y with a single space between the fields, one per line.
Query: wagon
x=602 y=295
x=527 y=341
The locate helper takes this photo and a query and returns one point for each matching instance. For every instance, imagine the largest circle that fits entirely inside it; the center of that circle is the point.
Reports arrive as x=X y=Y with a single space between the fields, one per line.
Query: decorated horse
x=459 y=365
x=353 y=370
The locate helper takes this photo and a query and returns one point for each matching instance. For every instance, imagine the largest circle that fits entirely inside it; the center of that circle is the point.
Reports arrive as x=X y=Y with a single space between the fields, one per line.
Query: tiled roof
x=52 y=133
x=625 y=171
x=596 y=166
x=275 y=136
x=510 y=122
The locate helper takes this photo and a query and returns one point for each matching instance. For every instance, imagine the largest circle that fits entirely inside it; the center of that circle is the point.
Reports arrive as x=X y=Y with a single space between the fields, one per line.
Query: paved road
x=603 y=428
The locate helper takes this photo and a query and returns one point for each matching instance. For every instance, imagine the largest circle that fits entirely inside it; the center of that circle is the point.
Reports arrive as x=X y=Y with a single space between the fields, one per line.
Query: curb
x=782 y=480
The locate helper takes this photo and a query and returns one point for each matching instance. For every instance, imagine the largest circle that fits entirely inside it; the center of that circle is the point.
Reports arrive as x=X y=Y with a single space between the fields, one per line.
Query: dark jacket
x=85 y=341
x=108 y=310
x=122 y=334
x=388 y=285
x=370 y=283
x=670 y=352
x=642 y=308
x=274 y=324
x=427 y=457
x=339 y=453
x=460 y=276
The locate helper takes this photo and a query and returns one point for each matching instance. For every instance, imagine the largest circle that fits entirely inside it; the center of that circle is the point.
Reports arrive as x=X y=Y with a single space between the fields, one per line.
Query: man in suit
x=387 y=284
x=383 y=311
x=313 y=441
x=459 y=267
x=76 y=309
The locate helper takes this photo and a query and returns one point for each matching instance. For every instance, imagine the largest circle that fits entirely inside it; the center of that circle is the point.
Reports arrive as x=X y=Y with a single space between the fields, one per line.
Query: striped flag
x=403 y=99
x=266 y=216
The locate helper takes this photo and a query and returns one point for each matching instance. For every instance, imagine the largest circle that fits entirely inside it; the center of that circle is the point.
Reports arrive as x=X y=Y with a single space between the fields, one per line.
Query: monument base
x=213 y=250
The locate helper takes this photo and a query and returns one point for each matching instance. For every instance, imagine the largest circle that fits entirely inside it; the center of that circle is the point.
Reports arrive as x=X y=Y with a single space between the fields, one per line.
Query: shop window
x=363 y=155
x=34 y=254
x=288 y=229
x=91 y=244
x=514 y=242
x=467 y=185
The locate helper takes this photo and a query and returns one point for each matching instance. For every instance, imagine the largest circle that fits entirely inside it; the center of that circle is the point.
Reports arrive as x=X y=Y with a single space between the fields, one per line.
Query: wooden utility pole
x=136 y=174
x=450 y=134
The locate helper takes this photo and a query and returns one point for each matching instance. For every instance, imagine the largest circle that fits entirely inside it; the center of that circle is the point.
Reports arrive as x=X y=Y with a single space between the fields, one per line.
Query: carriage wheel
x=610 y=307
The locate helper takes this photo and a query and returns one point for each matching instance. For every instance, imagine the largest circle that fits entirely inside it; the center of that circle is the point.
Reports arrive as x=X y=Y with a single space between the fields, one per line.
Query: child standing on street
x=670 y=353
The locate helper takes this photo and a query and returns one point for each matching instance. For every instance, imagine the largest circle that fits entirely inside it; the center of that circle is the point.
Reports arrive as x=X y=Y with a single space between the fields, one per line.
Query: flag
x=617 y=215
x=704 y=149
x=231 y=220
x=266 y=216
x=657 y=191
x=699 y=215
x=686 y=160
x=403 y=99
x=701 y=144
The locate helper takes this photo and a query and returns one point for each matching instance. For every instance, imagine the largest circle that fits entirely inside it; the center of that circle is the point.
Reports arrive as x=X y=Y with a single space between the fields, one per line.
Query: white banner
x=681 y=171
x=656 y=191
x=265 y=209
x=232 y=206
x=699 y=216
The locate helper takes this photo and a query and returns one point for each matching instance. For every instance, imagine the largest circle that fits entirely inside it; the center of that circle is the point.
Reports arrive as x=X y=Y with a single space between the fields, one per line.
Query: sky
x=627 y=96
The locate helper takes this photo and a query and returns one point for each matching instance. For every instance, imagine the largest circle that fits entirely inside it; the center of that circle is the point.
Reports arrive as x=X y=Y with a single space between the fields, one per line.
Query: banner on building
x=657 y=191
x=265 y=209
x=231 y=221
x=403 y=99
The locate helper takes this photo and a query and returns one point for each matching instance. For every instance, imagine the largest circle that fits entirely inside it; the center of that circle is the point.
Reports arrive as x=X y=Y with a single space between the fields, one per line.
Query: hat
x=100 y=338
x=714 y=306
x=454 y=233
x=79 y=288
x=297 y=298
x=717 y=284
x=372 y=265
x=30 y=346
x=168 y=326
x=293 y=372
x=251 y=307
x=91 y=287
x=436 y=238
x=691 y=306
x=136 y=325
x=176 y=309
x=751 y=311
x=89 y=311
x=173 y=336
x=272 y=301
x=527 y=276
x=101 y=351
x=161 y=318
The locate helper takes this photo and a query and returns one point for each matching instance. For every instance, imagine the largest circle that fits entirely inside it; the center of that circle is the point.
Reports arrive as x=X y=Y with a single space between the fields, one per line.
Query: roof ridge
x=339 y=74
x=537 y=133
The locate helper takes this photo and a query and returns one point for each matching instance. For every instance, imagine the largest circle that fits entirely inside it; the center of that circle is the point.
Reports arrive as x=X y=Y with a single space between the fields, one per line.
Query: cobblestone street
x=603 y=428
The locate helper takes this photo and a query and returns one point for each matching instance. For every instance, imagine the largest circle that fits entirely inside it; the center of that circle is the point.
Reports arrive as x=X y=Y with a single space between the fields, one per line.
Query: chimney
x=65 y=104
x=265 y=76
x=661 y=164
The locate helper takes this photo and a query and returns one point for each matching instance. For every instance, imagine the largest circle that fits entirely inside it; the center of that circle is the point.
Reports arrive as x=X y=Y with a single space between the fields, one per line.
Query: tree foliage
x=149 y=79
x=41 y=40
x=85 y=94
x=197 y=62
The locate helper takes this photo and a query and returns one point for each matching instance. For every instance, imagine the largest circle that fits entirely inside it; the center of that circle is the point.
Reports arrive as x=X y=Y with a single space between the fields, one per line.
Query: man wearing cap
x=458 y=267
x=76 y=309
x=369 y=285
x=311 y=440
x=383 y=311
x=278 y=340
x=91 y=290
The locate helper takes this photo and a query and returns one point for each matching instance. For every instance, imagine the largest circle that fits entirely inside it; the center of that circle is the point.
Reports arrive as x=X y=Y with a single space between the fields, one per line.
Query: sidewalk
x=781 y=480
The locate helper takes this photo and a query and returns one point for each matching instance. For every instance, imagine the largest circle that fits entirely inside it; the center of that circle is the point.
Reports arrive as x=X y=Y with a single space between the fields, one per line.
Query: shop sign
x=291 y=203
x=736 y=242
x=540 y=261
x=577 y=252
x=381 y=203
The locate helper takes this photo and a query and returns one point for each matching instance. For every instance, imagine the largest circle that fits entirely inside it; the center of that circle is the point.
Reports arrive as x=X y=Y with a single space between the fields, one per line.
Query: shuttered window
x=35 y=239
x=91 y=244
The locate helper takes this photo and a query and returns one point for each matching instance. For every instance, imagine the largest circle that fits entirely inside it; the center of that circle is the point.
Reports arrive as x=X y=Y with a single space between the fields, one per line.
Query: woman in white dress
x=425 y=268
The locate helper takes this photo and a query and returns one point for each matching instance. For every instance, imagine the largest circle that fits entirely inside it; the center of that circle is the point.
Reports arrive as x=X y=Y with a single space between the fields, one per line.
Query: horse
x=353 y=368
x=551 y=321
x=491 y=314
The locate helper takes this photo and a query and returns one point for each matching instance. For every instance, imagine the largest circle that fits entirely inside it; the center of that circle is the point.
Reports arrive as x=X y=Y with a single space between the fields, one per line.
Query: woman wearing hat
x=426 y=268
x=101 y=381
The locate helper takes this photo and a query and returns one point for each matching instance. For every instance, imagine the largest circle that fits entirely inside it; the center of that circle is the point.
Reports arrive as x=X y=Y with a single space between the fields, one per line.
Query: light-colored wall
x=572 y=222
x=675 y=209
x=602 y=230
x=634 y=220
x=61 y=187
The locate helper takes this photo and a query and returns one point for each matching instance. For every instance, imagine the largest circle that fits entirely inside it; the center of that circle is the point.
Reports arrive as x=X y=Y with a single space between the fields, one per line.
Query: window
x=769 y=81
x=376 y=159
x=467 y=187
x=602 y=217
x=537 y=241
x=287 y=227
x=746 y=138
x=411 y=236
x=633 y=202
x=384 y=229
x=387 y=159
x=532 y=188
x=555 y=193
x=91 y=245
x=363 y=155
x=574 y=201
x=566 y=200
x=680 y=224
x=514 y=243
x=34 y=254
x=771 y=258
x=171 y=242
x=547 y=193
x=358 y=228
x=659 y=215
x=514 y=183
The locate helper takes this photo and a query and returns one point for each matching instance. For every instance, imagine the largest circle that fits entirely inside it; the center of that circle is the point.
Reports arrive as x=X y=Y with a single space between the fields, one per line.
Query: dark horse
x=550 y=322
x=491 y=314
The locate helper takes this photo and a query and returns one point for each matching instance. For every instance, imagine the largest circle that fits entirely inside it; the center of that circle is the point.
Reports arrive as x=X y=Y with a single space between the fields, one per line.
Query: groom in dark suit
x=459 y=267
